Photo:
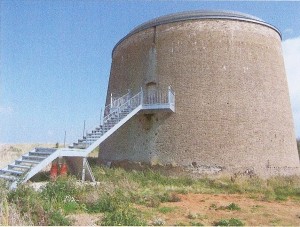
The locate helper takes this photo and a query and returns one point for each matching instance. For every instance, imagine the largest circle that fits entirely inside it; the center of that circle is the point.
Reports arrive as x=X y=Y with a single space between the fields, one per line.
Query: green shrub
x=124 y=216
x=232 y=206
x=56 y=218
x=229 y=222
x=40 y=210
x=105 y=203
x=169 y=197
x=192 y=223
x=60 y=190
x=108 y=203
x=165 y=210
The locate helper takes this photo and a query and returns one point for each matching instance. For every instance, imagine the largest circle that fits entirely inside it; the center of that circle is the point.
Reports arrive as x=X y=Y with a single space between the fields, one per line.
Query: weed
x=59 y=190
x=192 y=223
x=125 y=216
x=105 y=204
x=148 y=198
x=57 y=218
x=71 y=207
x=40 y=210
x=169 y=197
x=192 y=216
x=256 y=208
x=213 y=206
x=165 y=210
x=229 y=222
x=232 y=206
x=108 y=203
x=275 y=221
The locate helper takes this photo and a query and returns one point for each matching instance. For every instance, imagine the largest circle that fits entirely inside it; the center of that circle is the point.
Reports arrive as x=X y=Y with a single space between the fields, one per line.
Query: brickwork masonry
x=233 y=112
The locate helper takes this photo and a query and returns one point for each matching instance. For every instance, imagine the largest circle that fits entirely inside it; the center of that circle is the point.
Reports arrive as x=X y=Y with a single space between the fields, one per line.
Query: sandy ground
x=199 y=208
x=203 y=208
x=10 y=152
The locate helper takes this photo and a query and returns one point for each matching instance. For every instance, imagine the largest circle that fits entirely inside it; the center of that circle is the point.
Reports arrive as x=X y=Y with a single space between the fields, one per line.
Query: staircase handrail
x=115 y=103
x=129 y=101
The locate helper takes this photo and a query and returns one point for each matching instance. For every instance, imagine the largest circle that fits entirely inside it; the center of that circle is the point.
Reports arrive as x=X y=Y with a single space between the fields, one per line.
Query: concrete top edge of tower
x=197 y=15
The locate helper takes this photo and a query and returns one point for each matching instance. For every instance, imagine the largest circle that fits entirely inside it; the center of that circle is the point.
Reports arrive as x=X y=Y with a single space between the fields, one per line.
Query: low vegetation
x=137 y=198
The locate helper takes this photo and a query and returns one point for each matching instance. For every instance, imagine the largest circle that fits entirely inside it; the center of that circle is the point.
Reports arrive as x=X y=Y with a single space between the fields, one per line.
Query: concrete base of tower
x=199 y=171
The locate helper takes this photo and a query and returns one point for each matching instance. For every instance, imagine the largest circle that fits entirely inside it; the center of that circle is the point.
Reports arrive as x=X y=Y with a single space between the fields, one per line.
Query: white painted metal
x=115 y=115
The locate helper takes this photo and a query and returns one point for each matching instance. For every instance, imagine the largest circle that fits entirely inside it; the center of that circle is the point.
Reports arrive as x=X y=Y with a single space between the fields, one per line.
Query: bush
x=233 y=206
x=40 y=210
x=60 y=190
x=108 y=203
x=105 y=203
x=124 y=216
x=229 y=222
x=169 y=197
x=165 y=210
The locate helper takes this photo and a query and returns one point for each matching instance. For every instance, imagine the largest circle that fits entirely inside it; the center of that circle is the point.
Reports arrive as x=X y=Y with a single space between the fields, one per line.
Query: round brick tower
x=233 y=111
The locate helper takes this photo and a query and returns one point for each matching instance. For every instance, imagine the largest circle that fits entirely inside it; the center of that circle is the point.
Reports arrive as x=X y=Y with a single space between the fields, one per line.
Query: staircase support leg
x=83 y=169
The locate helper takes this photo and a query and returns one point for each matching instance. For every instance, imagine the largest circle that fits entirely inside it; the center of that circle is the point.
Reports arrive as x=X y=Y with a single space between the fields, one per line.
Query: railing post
x=142 y=96
x=111 y=100
x=128 y=98
x=169 y=94
x=83 y=169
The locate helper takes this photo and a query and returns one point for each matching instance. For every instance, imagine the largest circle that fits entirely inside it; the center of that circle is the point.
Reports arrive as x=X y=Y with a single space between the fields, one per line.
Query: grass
x=165 y=210
x=121 y=193
x=229 y=222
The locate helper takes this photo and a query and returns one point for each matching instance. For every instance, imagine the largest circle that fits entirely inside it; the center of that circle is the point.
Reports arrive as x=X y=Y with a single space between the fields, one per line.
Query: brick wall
x=232 y=103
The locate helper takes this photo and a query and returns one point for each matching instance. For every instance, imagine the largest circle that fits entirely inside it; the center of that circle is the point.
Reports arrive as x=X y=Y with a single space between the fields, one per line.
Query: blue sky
x=56 y=57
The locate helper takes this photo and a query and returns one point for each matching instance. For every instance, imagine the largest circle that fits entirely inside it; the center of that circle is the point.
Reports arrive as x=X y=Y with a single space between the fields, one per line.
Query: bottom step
x=10 y=178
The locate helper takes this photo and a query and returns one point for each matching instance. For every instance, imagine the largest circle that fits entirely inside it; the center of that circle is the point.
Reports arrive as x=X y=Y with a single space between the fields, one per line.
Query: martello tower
x=233 y=112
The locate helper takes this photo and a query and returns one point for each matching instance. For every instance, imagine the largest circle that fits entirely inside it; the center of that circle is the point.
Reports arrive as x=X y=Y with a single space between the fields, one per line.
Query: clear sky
x=56 y=57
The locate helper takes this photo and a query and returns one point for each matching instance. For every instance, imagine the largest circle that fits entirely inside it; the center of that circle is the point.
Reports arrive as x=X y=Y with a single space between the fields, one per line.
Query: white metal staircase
x=117 y=113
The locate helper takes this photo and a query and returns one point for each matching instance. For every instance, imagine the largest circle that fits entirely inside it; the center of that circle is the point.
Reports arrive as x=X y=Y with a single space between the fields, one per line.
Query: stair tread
x=19 y=166
x=11 y=171
x=11 y=178
x=28 y=161
x=45 y=149
x=41 y=153
x=32 y=156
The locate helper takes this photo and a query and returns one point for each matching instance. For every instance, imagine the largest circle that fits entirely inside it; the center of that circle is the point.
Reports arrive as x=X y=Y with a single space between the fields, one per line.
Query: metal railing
x=115 y=102
x=130 y=104
x=121 y=107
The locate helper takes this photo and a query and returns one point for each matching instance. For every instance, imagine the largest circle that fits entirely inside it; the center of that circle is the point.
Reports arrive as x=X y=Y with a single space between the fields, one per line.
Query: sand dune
x=10 y=152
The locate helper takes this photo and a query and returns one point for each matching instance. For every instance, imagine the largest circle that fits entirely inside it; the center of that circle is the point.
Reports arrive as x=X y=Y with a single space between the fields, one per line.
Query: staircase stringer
x=88 y=150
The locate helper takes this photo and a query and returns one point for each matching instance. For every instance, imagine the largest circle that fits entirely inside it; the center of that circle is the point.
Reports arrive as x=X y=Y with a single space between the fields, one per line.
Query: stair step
x=10 y=178
x=81 y=146
x=40 y=153
x=10 y=171
x=45 y=150
x=31 y=157
x=94 y=136
x=27 y=161
x=18 y=166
